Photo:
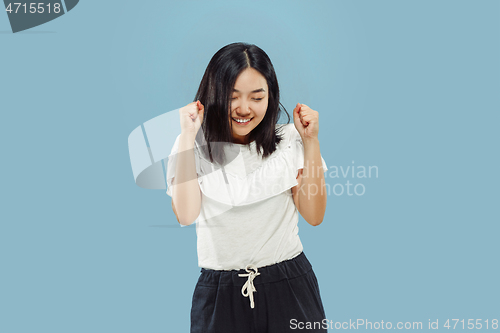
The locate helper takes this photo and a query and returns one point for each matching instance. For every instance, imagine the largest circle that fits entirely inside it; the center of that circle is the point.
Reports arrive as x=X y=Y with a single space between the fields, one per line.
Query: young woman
x=244 y=178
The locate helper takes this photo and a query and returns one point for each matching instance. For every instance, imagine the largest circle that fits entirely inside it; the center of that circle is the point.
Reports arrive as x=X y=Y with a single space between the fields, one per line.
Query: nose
x=242 y=110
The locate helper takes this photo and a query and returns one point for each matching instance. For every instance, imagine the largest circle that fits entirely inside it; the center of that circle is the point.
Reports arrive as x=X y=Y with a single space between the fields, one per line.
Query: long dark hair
x=215 y=93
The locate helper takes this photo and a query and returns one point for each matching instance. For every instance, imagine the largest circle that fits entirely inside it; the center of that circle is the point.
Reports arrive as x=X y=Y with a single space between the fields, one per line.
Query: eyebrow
x=255 y=91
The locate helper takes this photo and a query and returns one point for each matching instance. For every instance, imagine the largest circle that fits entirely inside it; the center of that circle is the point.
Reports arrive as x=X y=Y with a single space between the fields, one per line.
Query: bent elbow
x=315 y=223
x=185 y=217
x=186 y=221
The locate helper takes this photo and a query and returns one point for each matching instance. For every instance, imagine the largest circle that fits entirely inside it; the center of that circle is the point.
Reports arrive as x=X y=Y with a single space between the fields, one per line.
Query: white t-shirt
x=247 y=213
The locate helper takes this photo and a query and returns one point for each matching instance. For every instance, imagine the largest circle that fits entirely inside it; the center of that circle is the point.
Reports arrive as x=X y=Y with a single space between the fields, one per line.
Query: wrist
x=188 y=136
x=186 y=141
x=310 y=140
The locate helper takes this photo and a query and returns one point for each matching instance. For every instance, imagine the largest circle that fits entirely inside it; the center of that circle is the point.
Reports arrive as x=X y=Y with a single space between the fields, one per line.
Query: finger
x=296 y=112
x=192 y=113
x=304 y=114
x=309 y=118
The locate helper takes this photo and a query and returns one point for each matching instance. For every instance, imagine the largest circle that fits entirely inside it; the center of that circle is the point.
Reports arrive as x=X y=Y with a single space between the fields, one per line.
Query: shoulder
x=289 y=131
x=286 y=128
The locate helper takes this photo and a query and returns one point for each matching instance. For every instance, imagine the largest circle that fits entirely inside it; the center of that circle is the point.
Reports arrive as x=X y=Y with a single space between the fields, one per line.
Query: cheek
x=262 y=109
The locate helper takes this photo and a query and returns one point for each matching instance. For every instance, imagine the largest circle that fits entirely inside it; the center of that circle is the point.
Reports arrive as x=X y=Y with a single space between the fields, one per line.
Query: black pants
x=287 y=298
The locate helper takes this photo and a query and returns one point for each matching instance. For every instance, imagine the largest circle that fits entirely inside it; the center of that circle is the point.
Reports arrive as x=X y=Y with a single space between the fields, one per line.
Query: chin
x=243 y=133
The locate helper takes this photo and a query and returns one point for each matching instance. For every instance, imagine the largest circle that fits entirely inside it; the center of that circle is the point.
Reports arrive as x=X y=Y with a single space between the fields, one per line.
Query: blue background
x=411 y=87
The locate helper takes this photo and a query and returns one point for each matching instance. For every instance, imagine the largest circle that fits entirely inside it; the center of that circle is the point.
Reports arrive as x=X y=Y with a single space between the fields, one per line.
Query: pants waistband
x=286 y=269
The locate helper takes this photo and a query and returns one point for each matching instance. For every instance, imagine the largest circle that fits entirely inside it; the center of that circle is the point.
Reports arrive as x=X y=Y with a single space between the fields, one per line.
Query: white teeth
x=242 y=121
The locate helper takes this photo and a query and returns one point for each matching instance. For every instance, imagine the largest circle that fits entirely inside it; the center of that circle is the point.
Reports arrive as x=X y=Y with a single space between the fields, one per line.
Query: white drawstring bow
x=248 y=286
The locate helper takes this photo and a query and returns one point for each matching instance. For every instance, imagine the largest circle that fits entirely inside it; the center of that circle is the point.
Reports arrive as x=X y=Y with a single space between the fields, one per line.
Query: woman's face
x=249 y=101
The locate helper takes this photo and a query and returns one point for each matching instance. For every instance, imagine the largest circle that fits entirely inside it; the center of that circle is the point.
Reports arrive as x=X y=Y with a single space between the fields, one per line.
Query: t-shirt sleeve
x=172 y=158
x=299 y=150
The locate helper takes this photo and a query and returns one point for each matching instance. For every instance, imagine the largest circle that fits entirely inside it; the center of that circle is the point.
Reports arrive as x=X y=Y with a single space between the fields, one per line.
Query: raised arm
x=186 y=193
x=310 y=193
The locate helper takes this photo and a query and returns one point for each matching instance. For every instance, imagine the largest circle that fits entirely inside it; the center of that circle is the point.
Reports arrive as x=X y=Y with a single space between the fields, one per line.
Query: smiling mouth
x=242 y=121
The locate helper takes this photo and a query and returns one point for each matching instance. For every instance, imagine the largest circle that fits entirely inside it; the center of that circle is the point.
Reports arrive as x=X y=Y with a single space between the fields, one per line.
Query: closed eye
x=256 y=99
